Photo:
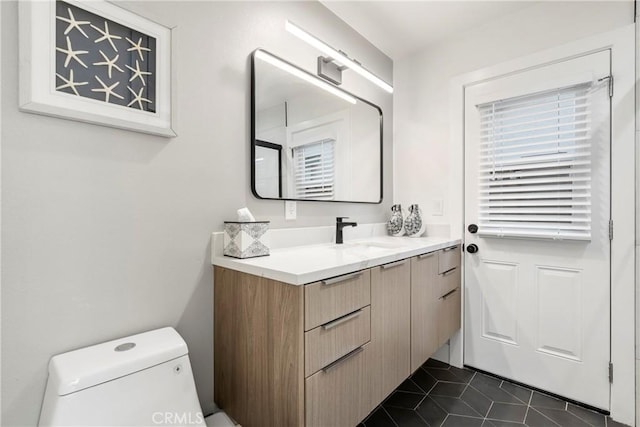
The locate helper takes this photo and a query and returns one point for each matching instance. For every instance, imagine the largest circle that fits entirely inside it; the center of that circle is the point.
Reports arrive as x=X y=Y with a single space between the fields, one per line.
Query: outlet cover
x=290 y=210
x=436 y=207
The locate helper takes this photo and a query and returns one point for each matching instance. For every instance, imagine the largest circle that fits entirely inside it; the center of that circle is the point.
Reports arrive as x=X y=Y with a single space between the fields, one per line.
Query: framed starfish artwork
x=93 y=61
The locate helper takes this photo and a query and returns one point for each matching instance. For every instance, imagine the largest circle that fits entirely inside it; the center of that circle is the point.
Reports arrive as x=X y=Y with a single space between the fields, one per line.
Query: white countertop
x=300 y=265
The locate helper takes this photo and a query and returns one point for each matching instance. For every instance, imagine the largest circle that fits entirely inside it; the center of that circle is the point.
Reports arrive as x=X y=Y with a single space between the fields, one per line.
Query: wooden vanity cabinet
x=327 y=353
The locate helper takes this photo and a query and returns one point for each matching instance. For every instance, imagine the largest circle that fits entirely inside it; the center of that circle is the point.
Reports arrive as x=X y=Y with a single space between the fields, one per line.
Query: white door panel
x=538 y=311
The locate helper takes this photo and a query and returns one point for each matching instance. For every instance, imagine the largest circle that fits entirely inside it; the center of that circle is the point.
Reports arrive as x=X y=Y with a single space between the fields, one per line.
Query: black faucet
x=340 y=225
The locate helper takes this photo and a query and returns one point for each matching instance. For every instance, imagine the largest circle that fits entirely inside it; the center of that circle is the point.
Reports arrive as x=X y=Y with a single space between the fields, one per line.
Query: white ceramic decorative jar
x=395 y=225
x=413 y=224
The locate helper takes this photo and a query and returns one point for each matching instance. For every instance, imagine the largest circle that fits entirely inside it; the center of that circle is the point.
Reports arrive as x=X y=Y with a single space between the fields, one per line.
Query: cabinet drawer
x=448 y=281
x=329 y=342
x=448 y=258
x=448 y=316
x=337 y=396
x=332 y=298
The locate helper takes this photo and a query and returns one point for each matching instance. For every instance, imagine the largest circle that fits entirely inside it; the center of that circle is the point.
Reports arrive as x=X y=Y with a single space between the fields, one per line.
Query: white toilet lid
x=219 y=419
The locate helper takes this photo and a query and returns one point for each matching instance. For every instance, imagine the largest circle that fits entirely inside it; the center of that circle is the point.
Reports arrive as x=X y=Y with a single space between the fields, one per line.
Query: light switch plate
x=290 y=210
x=436 y=207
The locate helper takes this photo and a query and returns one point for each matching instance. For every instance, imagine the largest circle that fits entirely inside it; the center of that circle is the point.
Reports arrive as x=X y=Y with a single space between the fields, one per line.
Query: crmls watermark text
x=177 y=418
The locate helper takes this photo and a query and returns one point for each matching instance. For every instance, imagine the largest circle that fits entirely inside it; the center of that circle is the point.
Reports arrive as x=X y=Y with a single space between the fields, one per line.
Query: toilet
x=140 y=380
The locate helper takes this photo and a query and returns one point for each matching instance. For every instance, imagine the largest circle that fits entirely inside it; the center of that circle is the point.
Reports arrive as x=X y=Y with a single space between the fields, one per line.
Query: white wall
x=422 y=84
x=106 y=232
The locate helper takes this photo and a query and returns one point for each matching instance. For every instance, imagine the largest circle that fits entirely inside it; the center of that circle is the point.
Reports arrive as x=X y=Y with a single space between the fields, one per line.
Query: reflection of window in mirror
x=313 y=170
x=332 y=132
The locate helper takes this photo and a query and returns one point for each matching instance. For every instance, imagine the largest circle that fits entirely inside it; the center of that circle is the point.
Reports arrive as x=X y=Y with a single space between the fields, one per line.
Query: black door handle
x=472 y=248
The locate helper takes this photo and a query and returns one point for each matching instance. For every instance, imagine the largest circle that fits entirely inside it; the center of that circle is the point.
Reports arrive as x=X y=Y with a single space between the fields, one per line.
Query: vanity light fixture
x=264 y=56
x=337 y=56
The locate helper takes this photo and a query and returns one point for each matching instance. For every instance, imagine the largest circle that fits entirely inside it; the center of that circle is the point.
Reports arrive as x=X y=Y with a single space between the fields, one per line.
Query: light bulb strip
x=336 y=55
x=284 y=66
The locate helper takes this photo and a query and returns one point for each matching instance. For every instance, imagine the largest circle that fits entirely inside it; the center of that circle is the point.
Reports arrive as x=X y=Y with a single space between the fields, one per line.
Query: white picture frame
x=37 y=66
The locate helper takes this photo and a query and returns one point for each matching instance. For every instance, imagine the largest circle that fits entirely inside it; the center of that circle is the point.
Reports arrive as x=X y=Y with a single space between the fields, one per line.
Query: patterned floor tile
x=476 y=400
x=402 y=399
x=594 y=418
x=539 y=400
x=433 y=363
x=409 y=386
x=465 y=375
x=379 y=418
x=455 y=406
x=433 y=414
x=423 y=380
x=439 y=395
x=444 y=375
x=458 y=421
x=521 y=393
x=406 y=417
x=490 y=387
x=562 y=417
x=498 y=423
x=447 y=389
x=536 y=419
x=507 y=412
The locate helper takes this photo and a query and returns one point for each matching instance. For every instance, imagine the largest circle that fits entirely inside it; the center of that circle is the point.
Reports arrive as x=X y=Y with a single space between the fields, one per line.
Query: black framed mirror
x=311 y=140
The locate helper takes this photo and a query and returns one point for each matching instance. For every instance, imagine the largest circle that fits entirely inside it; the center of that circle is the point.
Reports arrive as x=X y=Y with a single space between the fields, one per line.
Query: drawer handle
x=347 y=356
x=341 y=278
x=449 y=249
x=449 y=271
x=448 y=293
x=394 y=264
x=429 y=255
x=341 y=320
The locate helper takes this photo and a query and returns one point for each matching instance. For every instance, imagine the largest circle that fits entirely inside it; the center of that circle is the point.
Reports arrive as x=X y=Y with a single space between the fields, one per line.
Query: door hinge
x=610 y=229
x=610 y=82
x=611 y=372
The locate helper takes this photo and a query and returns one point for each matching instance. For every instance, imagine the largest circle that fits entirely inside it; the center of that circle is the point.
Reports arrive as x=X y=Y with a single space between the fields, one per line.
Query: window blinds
x=535 y=166
x=314 y=170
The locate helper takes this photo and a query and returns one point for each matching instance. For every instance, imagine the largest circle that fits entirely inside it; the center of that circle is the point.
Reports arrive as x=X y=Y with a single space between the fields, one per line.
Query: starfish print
x=72 y=54
x=70 y=83
x=108 y=90
x=138 y=73
x=137 y=47
x=137 y=97
x=106 y=35
x=73 y=23
x=110 y=63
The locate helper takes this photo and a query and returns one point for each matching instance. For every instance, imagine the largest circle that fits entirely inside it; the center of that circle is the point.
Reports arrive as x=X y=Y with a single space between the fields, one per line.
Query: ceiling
x=399 y=28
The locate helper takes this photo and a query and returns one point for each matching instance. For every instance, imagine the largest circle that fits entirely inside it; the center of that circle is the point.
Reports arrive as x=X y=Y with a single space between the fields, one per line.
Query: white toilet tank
x=141 y=380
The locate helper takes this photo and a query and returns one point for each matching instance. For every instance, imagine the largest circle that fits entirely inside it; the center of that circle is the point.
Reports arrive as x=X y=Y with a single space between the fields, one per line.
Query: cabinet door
x=448 y=315
x=390 y=327
x=337 y=395
x=424 y=316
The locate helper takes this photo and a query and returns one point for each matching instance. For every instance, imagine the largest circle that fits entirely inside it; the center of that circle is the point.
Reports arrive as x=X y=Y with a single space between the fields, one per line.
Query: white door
x=537 y=185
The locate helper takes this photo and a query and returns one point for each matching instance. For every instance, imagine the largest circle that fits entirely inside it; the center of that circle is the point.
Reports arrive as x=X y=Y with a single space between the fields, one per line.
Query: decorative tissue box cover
x=246 y=239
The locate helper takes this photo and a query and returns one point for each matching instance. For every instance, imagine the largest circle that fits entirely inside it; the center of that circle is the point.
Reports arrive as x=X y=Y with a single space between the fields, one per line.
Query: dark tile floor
x=441 y=395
